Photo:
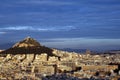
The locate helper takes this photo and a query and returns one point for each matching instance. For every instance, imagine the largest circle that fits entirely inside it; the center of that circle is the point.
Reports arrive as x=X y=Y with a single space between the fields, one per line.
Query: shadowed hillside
x=28 y=46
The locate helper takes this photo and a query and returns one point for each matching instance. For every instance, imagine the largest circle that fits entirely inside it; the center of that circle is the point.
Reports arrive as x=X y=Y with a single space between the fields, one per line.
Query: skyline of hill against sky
x=76 y=24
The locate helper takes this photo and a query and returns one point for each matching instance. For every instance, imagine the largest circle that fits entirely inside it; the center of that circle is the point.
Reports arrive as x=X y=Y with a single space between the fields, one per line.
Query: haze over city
x=77 y=24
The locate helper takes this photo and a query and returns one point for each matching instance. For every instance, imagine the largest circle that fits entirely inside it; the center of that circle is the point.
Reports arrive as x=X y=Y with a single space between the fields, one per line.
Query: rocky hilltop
x=1 y=50
x=27 y=42
x=28 y=46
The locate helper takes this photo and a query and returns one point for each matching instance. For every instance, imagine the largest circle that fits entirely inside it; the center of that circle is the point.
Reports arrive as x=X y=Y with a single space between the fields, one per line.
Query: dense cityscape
x=29 y=60
x=71 y=40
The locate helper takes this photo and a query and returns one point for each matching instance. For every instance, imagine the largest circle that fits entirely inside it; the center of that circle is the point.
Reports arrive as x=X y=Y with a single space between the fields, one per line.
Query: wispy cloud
x=22 y=3
x=46 y=2
x=32 y=28
x=2 y=32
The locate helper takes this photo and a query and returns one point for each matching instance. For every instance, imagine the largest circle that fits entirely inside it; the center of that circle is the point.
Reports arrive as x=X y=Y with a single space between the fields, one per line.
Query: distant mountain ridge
x=74 y=50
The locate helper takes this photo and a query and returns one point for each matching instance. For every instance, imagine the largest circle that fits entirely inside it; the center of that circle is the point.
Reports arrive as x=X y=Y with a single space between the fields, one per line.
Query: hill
x=28 y=46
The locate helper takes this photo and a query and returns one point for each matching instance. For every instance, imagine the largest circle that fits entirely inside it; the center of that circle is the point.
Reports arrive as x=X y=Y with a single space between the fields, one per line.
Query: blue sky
x=91 y=24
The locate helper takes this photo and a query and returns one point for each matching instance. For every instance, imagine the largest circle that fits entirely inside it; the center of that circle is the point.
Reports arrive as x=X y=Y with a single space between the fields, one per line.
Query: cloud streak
x=31 y=28
x=2 y=32
x=47 y=2
x=22 y=3
x=87 y=43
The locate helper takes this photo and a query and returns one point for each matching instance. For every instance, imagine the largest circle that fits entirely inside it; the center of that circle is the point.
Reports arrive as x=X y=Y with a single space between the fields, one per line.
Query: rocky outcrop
x=28 y=46
x=27 y=42
x=1 y=50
